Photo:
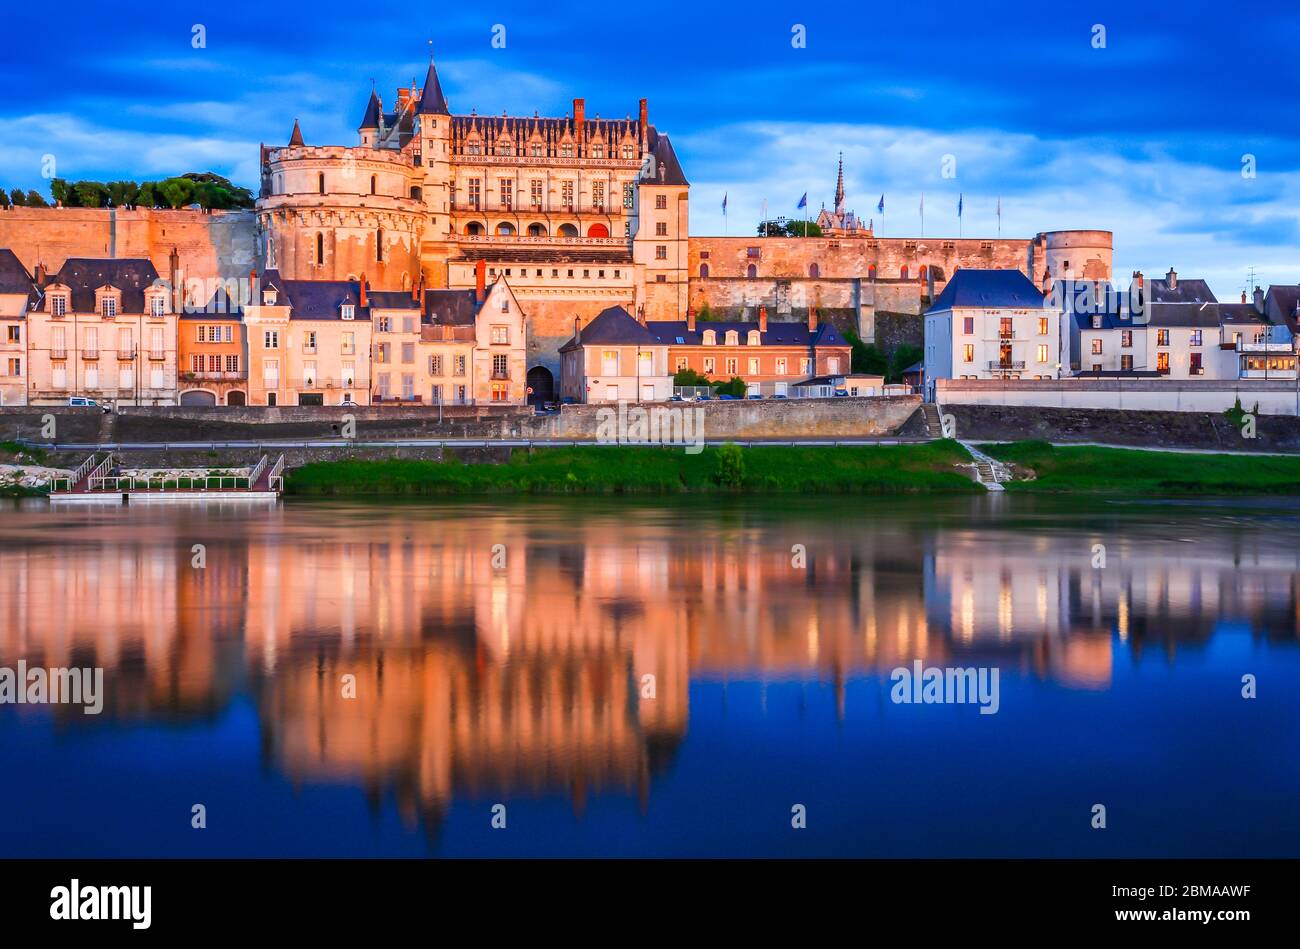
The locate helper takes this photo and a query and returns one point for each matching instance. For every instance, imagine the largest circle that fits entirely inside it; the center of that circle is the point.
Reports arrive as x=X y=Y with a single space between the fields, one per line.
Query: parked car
x=753 y=397
x=780 y=395
x=676 y=398
x=87 y=401
x=728 y=398
x=704 y=397
x=841 y=393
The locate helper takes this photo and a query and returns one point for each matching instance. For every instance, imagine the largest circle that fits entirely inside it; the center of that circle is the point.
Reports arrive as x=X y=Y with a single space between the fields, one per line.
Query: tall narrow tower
x=839 y=189
x=434 y=121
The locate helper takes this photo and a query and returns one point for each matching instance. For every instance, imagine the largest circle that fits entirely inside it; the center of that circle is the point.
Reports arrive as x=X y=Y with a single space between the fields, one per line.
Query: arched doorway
x=568 y=230
x=536 y=230
x=236 y=397
x=473 y=228
x=542 y=383
x=598 y=230
x=505 y=229
x=198 y=397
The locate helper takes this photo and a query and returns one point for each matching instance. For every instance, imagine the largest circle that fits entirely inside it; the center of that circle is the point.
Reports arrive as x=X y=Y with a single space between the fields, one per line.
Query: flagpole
x=923 y=214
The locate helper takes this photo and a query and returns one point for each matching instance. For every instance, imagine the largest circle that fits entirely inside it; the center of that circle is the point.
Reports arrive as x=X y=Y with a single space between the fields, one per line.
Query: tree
x=736 y=387
x=123 y=193
x=177 y=192
x=782 y=227
x=17 y=198
x=4 y=199
x=689 y=377
x=705 y=315
x=62 y=193
x=904 y=355
x=147 y=196
x=90 y=194
x=222 y=192
x=36 y=200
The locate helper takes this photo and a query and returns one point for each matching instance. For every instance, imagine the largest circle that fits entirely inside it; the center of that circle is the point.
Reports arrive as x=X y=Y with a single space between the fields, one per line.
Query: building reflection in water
x=481 y=672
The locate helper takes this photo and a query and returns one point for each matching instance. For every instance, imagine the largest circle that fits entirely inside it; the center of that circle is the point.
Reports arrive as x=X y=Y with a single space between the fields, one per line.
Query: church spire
x=839 y=188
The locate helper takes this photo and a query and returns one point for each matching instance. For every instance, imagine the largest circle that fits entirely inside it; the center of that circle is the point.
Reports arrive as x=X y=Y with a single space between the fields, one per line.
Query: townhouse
x=614 y=358
x=105 y=329
x=992 y=324
x=18 y=295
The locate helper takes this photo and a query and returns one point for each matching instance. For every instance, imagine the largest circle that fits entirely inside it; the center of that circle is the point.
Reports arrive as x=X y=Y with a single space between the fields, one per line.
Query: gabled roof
x=373 y=109
x=432 y=101
x=988 y=289
x=451 y=307
x=14 y=277
x=778 y=334
x=323 y=299
x=667 y=170
x=1184 y=291
x=391 y=300
x=84 y=275
x=1240 y=313
x=612 y=326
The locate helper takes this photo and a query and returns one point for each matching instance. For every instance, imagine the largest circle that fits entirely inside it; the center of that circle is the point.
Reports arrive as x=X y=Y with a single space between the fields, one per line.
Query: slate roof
x=778 y=334
x=84 y=275
x=295 y=137
x=1239 y=313
x=1185 y=291
x=613 y=325
x=391 y=300
x=990 y=289
x=373 y=109
x=14 y=277
x=451 y=307
x=668 y=171
x=432 y=101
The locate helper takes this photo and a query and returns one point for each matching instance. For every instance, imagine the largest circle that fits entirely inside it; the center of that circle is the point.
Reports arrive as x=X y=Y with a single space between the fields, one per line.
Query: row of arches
x=208 y=397
x=815 y=271
x=506 y=229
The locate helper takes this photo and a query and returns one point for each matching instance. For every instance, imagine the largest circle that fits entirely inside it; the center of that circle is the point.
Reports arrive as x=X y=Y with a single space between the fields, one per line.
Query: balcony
x=213 y=376
x=126 y=354
x=1006 y=365
x=500 y=376
x=58 y=354
x=158 y=355
x=90 y=354
x=546 y=239
x=1263 y=346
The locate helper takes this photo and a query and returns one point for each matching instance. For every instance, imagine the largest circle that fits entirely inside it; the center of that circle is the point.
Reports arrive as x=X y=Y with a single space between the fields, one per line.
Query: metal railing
x=100 y=473
x=276 y=479
x=81 y=471
x=177 y=482
x=256 y=471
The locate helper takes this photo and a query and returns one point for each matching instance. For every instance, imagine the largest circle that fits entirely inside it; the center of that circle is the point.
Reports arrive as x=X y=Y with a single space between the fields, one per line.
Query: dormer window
x=753 y=339
x=710 y=338
x=733 y=338
x=108 y=306
x=157 y=304
x=58 y=304
x=268 y=297
x=348 y=311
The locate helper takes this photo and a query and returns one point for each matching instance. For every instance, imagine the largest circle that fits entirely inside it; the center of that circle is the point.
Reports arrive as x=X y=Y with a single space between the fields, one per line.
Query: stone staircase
x=933 y=420
x=988 y=471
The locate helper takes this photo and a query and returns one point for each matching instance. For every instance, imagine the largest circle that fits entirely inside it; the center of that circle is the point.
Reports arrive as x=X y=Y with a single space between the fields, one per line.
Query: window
x=661 y=202
x=500 y=367
x=968 y=352
x=566 y=195
x=379 y=245
x=1042 y=326
x=1162 y=338
x=753 y=338
x=1042 y=352
x=609 y=362
x=125 y=345
x=435 y=365
x=598 y=194
x=320 y=183
x=1096 y=346
x=501 y=335
x=108 y=307
x=661 y=252
x=1162 y=363
x=232 y=363
x=1196 y=338
x=751 y=271
x=661 y=229
x=780 y=366
x=458 y=366
x=535 y=192
x=271 y=339
x=475 y=192
x=704 y=270
x=309 y=341
x=14 y=366
x=385 y=385
x=372 y=184
x=58 y=304
x=348 y=311
x=732 y=338
x=680 y=363
x=500 y=392
x=1126 y=363
x=1194 y=368
x=710 y=338
x=381 y=352
x=709 y=365
x=14 y=334
x=627 y=189
x=196 y=362
x=349 y=373
x=1006 y=328
x=732 y=364
x=506 y=193
x=384 y=324
x=805 y=366
x=347 y=344
x=968 y=325
x=408 y=353
x=320 y=250
x=753 y=366
x=157 y=305
x=408 y=387
x=1126 y=340
x=271 y=374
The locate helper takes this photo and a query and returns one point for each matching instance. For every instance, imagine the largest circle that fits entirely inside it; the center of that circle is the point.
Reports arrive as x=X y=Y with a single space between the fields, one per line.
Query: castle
x=578 y=213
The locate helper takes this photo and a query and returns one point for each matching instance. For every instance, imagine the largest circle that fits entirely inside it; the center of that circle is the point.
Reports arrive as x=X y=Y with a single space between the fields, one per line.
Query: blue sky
x=1145 y=137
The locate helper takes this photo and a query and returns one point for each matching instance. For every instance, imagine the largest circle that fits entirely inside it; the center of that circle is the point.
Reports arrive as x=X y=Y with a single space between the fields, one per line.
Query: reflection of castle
x=478 y=676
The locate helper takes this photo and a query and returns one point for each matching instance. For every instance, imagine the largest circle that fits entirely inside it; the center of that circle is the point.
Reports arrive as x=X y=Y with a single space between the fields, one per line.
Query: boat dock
x=100 y=479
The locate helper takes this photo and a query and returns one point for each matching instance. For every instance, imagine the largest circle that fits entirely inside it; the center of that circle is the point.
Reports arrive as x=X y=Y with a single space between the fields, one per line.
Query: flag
x=803 y=202
x=724 y=202
x=959 y=204
x=881 y=206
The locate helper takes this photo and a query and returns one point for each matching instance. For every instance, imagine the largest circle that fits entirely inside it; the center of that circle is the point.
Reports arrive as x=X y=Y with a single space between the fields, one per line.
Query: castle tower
x=433 y=131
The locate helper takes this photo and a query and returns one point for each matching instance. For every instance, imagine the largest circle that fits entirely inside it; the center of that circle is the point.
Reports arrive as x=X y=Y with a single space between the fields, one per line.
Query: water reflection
x=549 y=648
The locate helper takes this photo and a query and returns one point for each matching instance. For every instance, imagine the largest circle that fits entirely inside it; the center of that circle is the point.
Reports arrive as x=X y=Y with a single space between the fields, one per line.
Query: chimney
x=579 y=118
x=1243 y=296
x=361 y=302
x=690 y=320
x=812 y=320
x=174 y=275
x=40 y=276
x=1137 y=275
x=480 y=281
x=762 y=319
x=643 y=124
x=1259 y=300
x=1171 y=279
x=577 y=329
x=415 y=287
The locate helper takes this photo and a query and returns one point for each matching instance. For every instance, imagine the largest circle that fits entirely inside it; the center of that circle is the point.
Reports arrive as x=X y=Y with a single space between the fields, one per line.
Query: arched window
x=416 y=193
x=751 y=271
x=871 y=272
x=372 y=184
x=505 y=229
x=903 y=272
x=598 y=230
x=320 y=248
x=568 y=230
x=752 y=338
x=379 y=245
x=320 y=182
x=814 y=271
x=920 y=274
x=733 y=338
x=704 y=270
x=536 y=230
x=473 y=227
x=710 y=338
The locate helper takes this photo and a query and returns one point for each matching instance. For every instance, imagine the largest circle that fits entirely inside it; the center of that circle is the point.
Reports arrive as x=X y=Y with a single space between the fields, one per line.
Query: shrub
x=731 y=466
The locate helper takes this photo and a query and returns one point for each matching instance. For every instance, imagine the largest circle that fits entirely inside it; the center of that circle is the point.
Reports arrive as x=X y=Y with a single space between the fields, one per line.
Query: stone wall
x=219 y=244
x=1159 y=395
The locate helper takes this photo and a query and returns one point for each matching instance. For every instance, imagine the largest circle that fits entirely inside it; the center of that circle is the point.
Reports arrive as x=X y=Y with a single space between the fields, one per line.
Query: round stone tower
x=1072 y=255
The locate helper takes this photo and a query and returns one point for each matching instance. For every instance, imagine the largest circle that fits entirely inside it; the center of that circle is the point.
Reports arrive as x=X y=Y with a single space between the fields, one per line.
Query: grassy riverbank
x=1085 y=469
x=886 y=469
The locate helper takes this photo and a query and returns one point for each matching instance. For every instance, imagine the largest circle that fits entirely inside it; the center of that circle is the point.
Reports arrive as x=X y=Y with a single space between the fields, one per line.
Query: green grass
x=1133 y=471
x=886 y=469
x=9 y=449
